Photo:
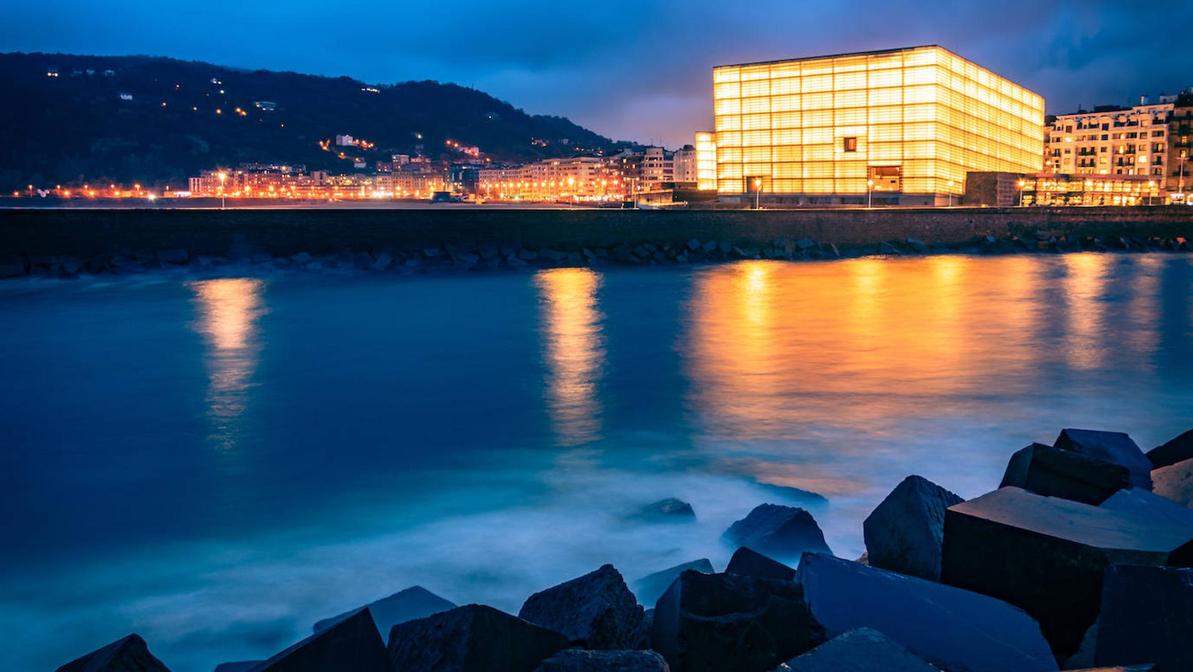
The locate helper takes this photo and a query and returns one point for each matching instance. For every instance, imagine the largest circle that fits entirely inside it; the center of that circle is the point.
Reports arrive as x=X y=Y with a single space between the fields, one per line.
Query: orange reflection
x=228 y=312
x=1084 y=284
x=574 y=350
x=854 y=343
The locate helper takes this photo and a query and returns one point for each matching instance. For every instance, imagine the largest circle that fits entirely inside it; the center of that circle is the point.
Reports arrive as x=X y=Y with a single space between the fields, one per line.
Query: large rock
x=579 y=660
x=237 y=666
x=650 y=587
x=352 y=644
x=404 y=605
x=1115 y=447
x=748 y=562
x=1054 y=472
x=904 y=532
x=594 y=611
x=1047 y=554
x=782 y=532
x=1175 y=482
x=951 y=628
x=729 y=623
x=670 y=510
x=861 y=650
x=1149 y=505
x=1178 y=449
x=471 y=638
x=1146 y=617
x=127 y=654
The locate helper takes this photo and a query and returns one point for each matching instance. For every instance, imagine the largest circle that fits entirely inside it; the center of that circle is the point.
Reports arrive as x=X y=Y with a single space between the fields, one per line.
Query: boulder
x=1149 y=505
x=404 y=605
x=861 y=650
x=1146 y=617
x=729 y=623
x=1114 y=447
x=669 y=510
x=237 y=666
x=1175 y=482
x=471 y=638
x=782 y=532
x=904 y=532
x=351 y=644
x=594 y=611
x=1047 y=554
x=748 y=562
x=951 y=628
x=650 y=587
x=579 y=660
x=1053 y=472
x=1178 y=449
x=127 y=654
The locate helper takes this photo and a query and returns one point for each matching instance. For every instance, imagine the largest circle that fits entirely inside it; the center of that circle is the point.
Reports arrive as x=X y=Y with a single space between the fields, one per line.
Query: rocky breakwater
x=1082 y=557
x=426 y=258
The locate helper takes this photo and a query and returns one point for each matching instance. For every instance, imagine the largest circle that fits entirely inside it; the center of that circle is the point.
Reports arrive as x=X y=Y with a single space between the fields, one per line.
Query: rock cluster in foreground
x=1074 y=562
x=461 y=257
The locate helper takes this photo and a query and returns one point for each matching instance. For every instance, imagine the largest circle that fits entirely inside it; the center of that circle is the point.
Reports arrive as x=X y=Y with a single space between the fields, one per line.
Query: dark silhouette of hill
x=70 y=119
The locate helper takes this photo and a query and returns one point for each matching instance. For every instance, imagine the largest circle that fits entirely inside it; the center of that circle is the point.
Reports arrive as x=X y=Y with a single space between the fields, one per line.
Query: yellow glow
x=228 y=312
x=571 y=326
x=925 y=111
x=774 y=346
x=706 y=161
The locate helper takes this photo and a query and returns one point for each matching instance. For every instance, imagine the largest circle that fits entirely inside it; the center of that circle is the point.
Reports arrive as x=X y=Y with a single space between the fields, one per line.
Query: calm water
x=217 y=463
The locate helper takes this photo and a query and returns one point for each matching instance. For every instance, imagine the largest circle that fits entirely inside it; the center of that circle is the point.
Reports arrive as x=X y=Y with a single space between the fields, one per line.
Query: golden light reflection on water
x=574 y=350
x=1085 y=276
x=228 y=312
x=775 y=346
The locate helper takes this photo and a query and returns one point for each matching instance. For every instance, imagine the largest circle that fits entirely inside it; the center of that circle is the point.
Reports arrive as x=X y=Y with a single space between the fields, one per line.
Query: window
x=850 y=144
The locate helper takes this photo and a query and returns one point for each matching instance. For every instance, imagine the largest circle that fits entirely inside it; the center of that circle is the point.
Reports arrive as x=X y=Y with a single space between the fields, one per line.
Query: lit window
x=850 y=144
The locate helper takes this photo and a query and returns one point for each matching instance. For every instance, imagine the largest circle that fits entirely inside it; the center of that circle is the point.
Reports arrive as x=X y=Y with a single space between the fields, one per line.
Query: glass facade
x=706 y=161
x=905 y=121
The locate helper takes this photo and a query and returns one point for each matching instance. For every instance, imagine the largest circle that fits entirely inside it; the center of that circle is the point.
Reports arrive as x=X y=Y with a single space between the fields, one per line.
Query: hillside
x=70 y=119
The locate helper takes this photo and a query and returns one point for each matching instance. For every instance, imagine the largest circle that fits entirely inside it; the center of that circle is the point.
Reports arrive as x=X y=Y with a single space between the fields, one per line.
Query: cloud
x=637 y=70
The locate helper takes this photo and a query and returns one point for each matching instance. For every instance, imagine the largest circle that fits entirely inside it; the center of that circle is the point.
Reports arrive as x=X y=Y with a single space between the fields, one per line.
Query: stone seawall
x=72 y=240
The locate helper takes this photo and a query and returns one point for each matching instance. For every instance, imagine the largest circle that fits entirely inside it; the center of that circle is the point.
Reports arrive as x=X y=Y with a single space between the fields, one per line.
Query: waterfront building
x=1180 y=147
x=900 y=126
x=1110 y=140
x=1000 y=189
x=657 y=170
x=576 y=178
x=706 y=161
x=684 y=166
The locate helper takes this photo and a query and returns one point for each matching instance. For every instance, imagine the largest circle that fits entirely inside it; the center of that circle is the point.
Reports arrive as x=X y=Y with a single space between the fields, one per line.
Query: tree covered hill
x=71 y=119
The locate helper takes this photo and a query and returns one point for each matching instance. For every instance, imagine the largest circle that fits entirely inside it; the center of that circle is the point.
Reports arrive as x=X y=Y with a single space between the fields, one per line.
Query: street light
x=1021 y=185
x=951 y=183
x=1180 y=184
x=757 y=193
x=869 y=193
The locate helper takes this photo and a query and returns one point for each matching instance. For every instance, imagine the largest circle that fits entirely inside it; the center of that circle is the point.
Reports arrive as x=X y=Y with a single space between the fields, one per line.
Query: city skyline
x=628 y=71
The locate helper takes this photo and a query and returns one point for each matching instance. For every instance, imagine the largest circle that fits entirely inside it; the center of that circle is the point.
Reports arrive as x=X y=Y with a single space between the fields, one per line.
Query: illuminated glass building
x=901 y=126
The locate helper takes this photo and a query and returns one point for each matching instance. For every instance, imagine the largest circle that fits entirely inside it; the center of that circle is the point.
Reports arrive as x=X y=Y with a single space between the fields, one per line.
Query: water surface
x=216 y=463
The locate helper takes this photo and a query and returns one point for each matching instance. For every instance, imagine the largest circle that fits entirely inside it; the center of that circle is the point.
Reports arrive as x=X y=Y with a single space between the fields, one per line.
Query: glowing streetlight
x=757 y=193
x=1021 y=184
x=869 y=193
x=951 y=183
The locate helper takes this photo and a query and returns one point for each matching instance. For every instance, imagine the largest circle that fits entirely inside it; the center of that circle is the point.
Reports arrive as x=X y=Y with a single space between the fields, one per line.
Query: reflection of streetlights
x=869 y=193
x=757 y=193
x=223 y=197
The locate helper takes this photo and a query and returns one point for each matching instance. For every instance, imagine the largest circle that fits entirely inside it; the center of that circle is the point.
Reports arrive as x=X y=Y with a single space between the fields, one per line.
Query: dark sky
x=631 y=70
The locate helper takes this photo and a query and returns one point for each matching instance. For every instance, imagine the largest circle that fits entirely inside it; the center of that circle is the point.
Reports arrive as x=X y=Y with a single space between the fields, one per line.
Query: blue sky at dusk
x=630 y=70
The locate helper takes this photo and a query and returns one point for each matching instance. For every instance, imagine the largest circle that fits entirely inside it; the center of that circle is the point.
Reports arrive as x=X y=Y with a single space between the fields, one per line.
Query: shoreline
x=70 y=242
